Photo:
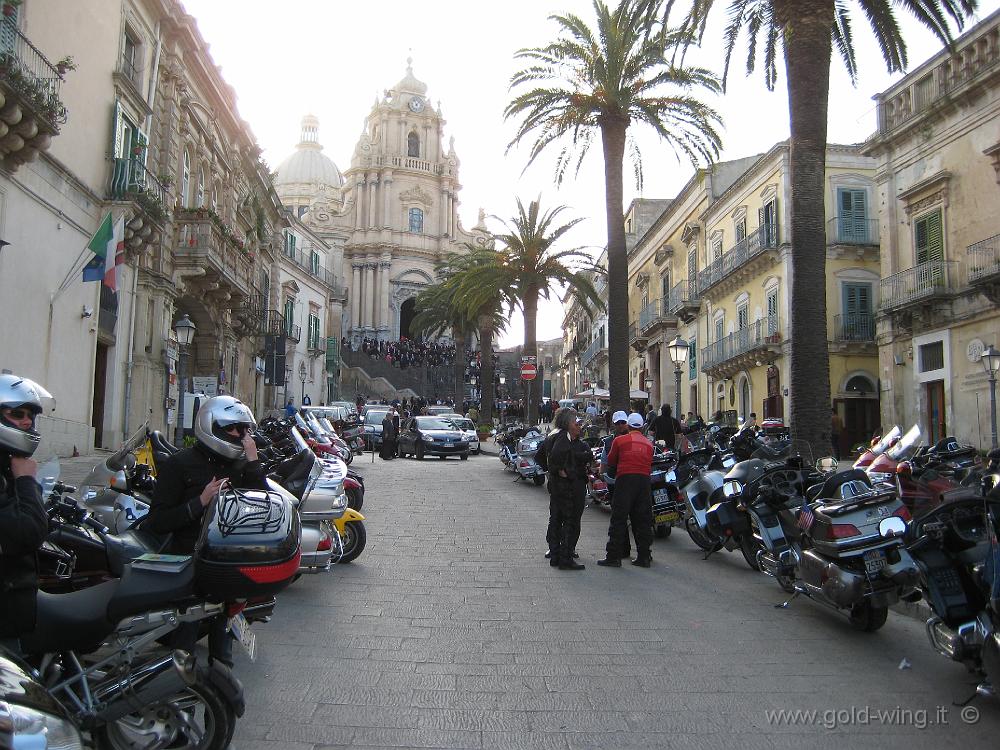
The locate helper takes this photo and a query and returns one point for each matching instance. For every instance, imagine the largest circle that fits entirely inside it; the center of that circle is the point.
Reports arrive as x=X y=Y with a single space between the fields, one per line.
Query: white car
x=467 y=428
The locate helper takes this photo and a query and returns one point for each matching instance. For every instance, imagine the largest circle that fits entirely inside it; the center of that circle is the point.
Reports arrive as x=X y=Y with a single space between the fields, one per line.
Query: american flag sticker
x=806 y=517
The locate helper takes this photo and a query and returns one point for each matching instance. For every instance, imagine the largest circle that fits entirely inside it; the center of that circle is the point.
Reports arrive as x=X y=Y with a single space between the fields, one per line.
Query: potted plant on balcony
x=10 y=7
x=65 y=65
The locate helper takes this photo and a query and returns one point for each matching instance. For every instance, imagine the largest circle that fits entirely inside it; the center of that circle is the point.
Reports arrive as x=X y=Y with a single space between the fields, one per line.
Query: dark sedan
x=431 y=436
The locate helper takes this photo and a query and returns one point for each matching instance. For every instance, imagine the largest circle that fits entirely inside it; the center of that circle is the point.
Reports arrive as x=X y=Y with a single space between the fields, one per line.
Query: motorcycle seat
x=830 y=488
x=144 y=590
x=74 y=621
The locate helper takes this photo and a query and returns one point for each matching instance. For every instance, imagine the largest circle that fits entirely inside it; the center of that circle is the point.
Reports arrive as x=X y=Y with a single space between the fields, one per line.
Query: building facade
x=938 y=181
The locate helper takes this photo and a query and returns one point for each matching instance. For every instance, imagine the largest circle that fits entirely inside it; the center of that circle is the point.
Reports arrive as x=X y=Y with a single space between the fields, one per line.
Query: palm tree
x=527 y=267
x=807 y=31
x=602 y=81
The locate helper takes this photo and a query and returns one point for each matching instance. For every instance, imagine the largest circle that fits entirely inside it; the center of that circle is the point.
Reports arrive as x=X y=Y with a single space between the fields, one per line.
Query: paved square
x=452 y=631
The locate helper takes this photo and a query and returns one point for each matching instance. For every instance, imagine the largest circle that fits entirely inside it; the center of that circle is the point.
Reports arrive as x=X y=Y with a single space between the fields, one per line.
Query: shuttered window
x=857 y=300
x=852 y=216
x=692 y=359
x=928 y=237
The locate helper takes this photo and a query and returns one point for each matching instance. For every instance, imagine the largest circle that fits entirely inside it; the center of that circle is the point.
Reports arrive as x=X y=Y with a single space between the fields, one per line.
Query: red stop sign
x=528 y=372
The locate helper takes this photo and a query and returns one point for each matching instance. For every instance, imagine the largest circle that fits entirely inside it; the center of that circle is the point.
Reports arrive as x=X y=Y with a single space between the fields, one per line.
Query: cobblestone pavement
x=452 y=631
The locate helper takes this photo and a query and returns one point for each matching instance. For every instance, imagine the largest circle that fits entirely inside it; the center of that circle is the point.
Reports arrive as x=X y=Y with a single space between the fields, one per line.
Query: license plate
x=246 y=637
x=874 y=561
x=663 y=493
x=666 y=517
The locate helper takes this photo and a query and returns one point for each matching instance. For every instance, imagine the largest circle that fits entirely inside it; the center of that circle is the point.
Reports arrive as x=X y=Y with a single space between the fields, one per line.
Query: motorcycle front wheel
x=698 y=536
x=749 y=546
x=196 y=718
x=354 y=539
x=868 y=618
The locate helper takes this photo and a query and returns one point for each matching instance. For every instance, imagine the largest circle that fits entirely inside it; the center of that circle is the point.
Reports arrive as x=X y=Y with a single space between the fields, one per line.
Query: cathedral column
x=359 y=203
x=372 y=188
x=386 y=190
x=356 y=296
x=444 y=211
x=384 y=266
x=369 y=295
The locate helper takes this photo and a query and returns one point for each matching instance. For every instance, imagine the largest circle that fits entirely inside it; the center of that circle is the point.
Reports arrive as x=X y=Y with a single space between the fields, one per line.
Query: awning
x=593 y=393
x=641 y=395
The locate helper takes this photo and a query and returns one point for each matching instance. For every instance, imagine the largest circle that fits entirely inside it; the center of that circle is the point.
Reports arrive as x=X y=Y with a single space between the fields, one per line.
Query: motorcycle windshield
x=880 y=447
x=297 y=438
x=318 y=431
x=48 y=475
x=697 y=440
x=907 y=445
x=301 y=424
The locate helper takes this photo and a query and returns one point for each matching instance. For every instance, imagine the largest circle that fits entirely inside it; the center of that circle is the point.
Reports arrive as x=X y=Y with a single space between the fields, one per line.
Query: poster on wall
x=207 y=385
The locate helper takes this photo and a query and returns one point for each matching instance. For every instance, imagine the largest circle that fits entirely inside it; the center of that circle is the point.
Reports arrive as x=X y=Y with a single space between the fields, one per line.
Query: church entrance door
x=406 y=313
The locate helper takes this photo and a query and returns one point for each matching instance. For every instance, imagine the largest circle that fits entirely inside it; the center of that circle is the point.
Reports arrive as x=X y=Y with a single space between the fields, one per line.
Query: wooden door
x=934 y=398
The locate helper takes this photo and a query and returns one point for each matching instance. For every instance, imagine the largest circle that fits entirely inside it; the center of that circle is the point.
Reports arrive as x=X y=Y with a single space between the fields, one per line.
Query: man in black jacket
x=23 y=521
x=567 y=458
x=188 y=481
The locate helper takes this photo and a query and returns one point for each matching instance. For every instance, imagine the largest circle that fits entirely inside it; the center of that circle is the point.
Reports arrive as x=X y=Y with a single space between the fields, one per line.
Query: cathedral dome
x=410 y=84
x=308 y=164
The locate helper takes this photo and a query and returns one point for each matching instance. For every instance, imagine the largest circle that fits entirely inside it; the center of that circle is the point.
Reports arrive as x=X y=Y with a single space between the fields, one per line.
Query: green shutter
x=852 y=219
x=692 y=359
x=929 y=238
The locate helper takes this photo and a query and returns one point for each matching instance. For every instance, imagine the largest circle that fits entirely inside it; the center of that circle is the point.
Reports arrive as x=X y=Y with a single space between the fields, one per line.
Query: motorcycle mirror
x=827 y=465
x=892 y=526
x=904 y=469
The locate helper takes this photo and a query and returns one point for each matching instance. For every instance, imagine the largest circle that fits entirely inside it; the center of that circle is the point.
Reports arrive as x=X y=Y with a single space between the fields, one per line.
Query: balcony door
x=852 y=216
x=857 y=307
x=934 y=398
x=743 y=326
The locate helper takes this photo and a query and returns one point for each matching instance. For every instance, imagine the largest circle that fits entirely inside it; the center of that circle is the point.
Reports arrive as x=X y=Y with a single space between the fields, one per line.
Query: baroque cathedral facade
x=394 y=211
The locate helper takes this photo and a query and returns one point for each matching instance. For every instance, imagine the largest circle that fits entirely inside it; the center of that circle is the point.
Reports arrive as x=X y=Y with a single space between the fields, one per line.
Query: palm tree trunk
x=531 y=388
x=613 y=139
x=807 y=47
x=486 y=372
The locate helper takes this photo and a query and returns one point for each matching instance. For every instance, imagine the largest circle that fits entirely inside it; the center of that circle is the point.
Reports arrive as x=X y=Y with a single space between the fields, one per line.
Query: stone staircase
x=373 y=376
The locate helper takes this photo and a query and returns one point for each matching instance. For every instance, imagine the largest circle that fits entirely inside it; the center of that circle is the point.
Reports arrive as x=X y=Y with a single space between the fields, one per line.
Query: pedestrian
x=290 y=409
x=620 y=427
x=389 y=432
x=666 y=427
x=189 y=480
x=591 y=410
x=567 y=458
x=23 y=520
x=631 y=460
x=306 y=401
x=836 y=428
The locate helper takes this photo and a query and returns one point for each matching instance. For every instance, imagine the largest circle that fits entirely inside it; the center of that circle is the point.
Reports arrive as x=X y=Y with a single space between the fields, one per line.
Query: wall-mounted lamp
x=86 y=312
x=898 y=360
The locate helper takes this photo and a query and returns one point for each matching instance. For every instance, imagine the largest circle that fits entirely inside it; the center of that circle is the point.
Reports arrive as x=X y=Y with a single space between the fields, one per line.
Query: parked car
x=431 y=436
x=373 y=426
x=468 y=428
x=437 y=411
x=347 y=406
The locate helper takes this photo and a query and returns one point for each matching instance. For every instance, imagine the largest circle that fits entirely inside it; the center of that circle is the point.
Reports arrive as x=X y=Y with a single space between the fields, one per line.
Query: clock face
x=416 y=104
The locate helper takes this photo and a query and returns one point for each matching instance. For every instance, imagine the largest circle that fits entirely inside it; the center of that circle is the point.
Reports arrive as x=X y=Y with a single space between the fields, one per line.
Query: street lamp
x=184 y=330
x=302 y=377
x=678 y=351
x=991 y=363
x=503 y=380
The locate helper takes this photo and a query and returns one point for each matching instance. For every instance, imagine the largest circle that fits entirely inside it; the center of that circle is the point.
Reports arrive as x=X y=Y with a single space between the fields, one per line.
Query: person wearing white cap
x=631 y=460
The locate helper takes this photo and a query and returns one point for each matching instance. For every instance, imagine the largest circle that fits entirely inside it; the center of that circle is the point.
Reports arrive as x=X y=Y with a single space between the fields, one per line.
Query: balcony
x=293 y=332
x=854 y=333
x=918 y=285
x=846 y=232
x=596 y=348
x=30 y=108
x=684 y=300
x=131 y=181
x=743 y=260
x=984 y=262
x=408 y=162
x=758 y=343
x=317 y=347
x=635 y=337
x=302 y=257
x=210 y=254
x=653 y=317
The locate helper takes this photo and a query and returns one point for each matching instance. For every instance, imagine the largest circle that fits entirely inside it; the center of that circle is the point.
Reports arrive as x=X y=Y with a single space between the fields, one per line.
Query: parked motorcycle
x=878 y=447
x=956 y=549
x=700 y=475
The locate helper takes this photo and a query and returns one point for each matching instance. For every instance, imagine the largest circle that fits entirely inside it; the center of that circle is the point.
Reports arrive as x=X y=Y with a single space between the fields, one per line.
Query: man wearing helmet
x=188 y=481
x=23 y=521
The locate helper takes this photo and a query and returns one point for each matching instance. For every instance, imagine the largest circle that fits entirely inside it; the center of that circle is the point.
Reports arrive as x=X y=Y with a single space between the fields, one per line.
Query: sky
x=333 y=58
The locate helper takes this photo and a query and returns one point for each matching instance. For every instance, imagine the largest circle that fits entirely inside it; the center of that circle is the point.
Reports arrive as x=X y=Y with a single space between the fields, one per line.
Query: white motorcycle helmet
x=20 y=393
x=217 y=414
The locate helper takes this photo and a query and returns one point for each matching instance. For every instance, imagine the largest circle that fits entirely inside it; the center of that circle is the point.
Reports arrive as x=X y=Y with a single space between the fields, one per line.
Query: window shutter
x=929 y=238
x=8 y=31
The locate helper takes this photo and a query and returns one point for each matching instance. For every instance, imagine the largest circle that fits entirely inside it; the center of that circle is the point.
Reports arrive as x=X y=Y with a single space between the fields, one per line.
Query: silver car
x=468 y=429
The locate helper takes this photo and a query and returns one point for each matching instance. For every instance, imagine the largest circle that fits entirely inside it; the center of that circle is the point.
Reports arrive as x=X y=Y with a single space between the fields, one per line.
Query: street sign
x=529 y=359
x=528 y=372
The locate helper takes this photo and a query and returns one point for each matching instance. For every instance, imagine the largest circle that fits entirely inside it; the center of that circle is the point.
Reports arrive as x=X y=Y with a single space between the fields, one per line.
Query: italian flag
x=108 y=246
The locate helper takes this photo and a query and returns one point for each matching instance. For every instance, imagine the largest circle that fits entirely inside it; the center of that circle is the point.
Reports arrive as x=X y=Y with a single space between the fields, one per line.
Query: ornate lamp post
x=184 y=330
x=678 y=351
x=991 y=363
x=302 y=377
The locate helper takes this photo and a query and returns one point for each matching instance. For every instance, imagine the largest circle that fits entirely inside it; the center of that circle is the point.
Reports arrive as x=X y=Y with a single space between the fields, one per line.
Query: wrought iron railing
x=26 y=70
x=650 y=315
x=273 y=323
x=131 y=180
x=683 y=294
x=854 y=327
x=846 y=230
x=984 y=258
x=764 y=238
x=317 y=345
x=292 y=331
x=915 y=284
x=596 y=346
x=633 y=332
x=201 y=240
x=758 y=334
x=302 y=257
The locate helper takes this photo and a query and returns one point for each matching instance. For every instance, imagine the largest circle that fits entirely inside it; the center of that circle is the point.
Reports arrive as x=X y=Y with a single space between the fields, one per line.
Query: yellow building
x=714 y=269
x=938 y=154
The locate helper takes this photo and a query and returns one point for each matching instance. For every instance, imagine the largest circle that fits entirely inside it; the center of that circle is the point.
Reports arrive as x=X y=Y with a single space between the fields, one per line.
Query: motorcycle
x=838 y=541
x=700 y=474
x=878 y=447
x=526 y=466
x=956 y=549
x=31 y=717
x=666 y=497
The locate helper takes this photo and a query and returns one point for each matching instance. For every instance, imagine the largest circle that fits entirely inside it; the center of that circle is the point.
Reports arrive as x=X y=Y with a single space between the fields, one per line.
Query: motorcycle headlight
x=732 y=488
x=339 y=501
x=31 y=728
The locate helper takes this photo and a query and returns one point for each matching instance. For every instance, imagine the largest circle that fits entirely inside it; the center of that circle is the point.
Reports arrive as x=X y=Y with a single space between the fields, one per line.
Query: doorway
x=745 y=406
x=100 y=383
x=934 y=397
x=861 y=421
x=406 y=313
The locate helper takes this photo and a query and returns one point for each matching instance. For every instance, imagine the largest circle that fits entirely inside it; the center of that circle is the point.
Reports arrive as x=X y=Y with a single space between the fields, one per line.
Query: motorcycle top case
x=249 y=545
x=724 y=520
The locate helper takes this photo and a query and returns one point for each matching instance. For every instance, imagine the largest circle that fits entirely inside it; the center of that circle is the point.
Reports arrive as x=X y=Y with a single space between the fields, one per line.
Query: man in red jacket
x=630 y=460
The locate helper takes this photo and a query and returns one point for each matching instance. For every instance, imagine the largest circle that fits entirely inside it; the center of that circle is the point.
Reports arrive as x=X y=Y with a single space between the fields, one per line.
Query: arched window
x=199 y=197
x=413 y=145
x=416 y=221
x=186 y=180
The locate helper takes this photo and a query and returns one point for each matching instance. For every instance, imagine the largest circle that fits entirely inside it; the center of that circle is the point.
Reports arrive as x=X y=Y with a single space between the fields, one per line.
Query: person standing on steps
x=567 y=458
x=631 y=459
